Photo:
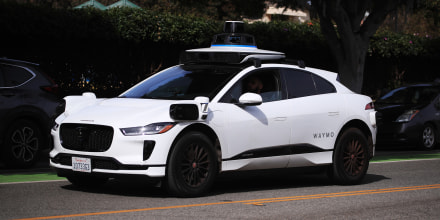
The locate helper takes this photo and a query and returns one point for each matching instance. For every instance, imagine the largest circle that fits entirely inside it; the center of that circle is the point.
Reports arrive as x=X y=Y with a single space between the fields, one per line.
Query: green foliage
x=282 y=34
x=143 y=25
x=394 y=45
x=111 y=50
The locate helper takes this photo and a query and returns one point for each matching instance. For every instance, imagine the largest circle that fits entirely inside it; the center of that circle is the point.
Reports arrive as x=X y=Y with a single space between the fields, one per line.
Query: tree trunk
x=348 y=33
x=351 y=66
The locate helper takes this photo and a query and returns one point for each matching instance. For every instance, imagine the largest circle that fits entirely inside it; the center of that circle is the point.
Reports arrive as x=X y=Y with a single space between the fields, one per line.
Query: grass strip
x=12 y=178
x=405 y=157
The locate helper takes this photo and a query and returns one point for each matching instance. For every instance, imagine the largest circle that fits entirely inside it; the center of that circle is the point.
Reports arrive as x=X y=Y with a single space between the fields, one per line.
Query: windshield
x=184 y=83
x=410 y=95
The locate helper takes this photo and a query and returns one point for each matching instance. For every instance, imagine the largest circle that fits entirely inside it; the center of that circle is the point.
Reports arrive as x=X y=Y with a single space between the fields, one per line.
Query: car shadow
x=228 y=182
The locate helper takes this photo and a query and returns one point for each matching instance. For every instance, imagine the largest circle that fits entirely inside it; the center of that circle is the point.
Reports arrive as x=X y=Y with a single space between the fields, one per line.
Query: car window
x=302 y=83
x=410 y=95
x=323 y=86
x=14 y=76
x=183 y=83
x=427 y=94
x=265 y=82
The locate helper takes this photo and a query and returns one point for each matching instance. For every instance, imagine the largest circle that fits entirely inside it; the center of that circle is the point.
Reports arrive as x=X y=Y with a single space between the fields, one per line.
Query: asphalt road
x=391 y=190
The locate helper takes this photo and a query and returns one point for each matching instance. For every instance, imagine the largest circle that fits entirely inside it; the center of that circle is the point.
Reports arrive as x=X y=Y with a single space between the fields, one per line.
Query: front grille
x=86 y=137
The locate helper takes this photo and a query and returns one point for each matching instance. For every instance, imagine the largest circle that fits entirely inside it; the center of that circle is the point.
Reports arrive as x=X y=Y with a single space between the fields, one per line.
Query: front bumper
x=131 y=155
x=393 y=133
x=105 y=165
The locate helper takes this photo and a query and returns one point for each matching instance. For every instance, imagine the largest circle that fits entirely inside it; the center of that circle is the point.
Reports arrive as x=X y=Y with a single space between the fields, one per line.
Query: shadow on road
x=230 y=182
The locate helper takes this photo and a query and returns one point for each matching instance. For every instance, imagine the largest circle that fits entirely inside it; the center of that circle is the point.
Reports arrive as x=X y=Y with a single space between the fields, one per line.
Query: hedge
x=109 y=51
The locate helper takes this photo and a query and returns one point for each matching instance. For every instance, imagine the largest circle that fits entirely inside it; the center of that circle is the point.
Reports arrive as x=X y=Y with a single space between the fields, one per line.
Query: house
x=96 y=4
x=283 y=13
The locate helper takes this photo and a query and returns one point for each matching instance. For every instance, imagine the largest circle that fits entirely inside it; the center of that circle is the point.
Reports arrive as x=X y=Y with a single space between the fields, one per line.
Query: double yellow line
x=258 y=202
x=341 y=194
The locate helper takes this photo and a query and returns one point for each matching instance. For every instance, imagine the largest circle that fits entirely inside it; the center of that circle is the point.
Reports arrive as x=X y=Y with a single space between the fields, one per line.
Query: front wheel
x=22 y=144
x=428 y=137
x=350 y=158
x=192 y=166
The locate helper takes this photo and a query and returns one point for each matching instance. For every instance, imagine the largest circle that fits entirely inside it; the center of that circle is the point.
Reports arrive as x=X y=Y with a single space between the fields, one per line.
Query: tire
x=84 y=181
x=192 y=166
x=351 y=158
x=429 y=138
x=22 y=144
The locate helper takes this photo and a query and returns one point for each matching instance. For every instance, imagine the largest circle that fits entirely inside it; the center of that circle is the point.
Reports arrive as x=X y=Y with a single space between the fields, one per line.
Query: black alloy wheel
x=192 y=166
x=351 y=157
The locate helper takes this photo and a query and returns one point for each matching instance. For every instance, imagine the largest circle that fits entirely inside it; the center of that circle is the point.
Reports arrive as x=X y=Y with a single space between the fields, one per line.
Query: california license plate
x=81 y=164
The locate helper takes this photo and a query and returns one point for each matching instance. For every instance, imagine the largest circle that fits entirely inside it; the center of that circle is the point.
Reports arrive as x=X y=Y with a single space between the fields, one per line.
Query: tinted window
x=265 y=82
x=301 y=83
x=14 y=76
x=410 y=95
x=323 y=86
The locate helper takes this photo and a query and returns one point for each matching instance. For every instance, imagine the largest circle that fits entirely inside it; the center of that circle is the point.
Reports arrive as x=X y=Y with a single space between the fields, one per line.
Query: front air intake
x=86 y=137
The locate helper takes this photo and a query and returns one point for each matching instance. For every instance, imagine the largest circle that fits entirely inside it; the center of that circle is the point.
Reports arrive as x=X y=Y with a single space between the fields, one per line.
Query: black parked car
x=410 y=115
x=28 y=103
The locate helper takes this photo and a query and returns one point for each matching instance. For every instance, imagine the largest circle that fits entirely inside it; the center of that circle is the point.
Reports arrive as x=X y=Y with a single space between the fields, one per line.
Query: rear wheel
x=22 y=144
x=351 y=157
x=192 y=166
x=428 y=137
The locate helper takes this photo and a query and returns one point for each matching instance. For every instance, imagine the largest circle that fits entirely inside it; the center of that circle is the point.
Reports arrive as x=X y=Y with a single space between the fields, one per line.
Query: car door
x=256 y=132
x=315 y=111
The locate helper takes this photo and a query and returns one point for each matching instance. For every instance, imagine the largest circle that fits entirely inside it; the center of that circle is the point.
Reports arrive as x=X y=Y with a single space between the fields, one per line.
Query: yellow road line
x=258 y=202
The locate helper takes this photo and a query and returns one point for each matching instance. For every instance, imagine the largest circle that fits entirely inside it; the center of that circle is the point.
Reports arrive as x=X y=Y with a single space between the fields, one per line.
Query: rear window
x=13 y=76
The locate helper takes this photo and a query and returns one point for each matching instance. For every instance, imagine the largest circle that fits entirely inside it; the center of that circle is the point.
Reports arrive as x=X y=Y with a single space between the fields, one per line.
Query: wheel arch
x=206 y=130
x=363 y=127
x=38 y=117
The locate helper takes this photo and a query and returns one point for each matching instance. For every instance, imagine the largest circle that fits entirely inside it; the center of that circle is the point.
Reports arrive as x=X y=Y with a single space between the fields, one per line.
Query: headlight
x=407 y=116
x=156 y=128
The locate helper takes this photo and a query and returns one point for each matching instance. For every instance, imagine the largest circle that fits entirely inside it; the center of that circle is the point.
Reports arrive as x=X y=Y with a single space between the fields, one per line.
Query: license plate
x=81 y=164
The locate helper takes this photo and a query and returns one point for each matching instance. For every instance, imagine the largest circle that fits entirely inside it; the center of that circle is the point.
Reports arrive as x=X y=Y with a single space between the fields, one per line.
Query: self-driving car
x=229 y=107
x=410 y=116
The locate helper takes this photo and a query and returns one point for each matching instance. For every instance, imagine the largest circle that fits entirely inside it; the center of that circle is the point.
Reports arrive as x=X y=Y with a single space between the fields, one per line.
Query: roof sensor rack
x=233 y=36
x=231 y=47
x=299 y=63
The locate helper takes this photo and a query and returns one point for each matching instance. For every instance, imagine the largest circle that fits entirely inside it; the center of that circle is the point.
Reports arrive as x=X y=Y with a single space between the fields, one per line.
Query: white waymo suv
x=225 y=108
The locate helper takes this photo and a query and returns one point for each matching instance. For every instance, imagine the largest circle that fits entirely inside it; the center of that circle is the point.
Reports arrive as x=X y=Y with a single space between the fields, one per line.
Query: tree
x=348 y=26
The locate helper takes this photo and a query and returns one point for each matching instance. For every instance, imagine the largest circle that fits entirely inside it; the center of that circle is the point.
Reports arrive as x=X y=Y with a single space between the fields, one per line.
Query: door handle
x=280 y=118
x=333 y=113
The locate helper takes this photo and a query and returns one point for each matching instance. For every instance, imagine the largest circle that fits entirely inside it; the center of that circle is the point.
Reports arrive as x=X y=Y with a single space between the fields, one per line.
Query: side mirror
x=250 y=99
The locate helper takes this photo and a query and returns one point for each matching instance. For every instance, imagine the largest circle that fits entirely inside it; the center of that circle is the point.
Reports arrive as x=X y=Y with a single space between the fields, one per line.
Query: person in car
x=254 y=84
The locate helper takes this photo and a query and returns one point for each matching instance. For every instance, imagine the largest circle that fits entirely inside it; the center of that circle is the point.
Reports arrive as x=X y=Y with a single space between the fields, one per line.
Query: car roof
x=18 y=62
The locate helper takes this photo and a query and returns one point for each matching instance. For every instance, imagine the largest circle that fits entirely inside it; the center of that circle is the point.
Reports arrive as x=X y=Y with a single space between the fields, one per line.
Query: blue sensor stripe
x=229 y=45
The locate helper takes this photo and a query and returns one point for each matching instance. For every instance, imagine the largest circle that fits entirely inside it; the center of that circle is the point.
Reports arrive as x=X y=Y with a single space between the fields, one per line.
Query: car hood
x=119 y=112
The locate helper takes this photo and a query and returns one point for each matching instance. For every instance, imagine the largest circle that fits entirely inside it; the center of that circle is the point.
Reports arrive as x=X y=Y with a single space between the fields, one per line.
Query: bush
x=109 y=51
